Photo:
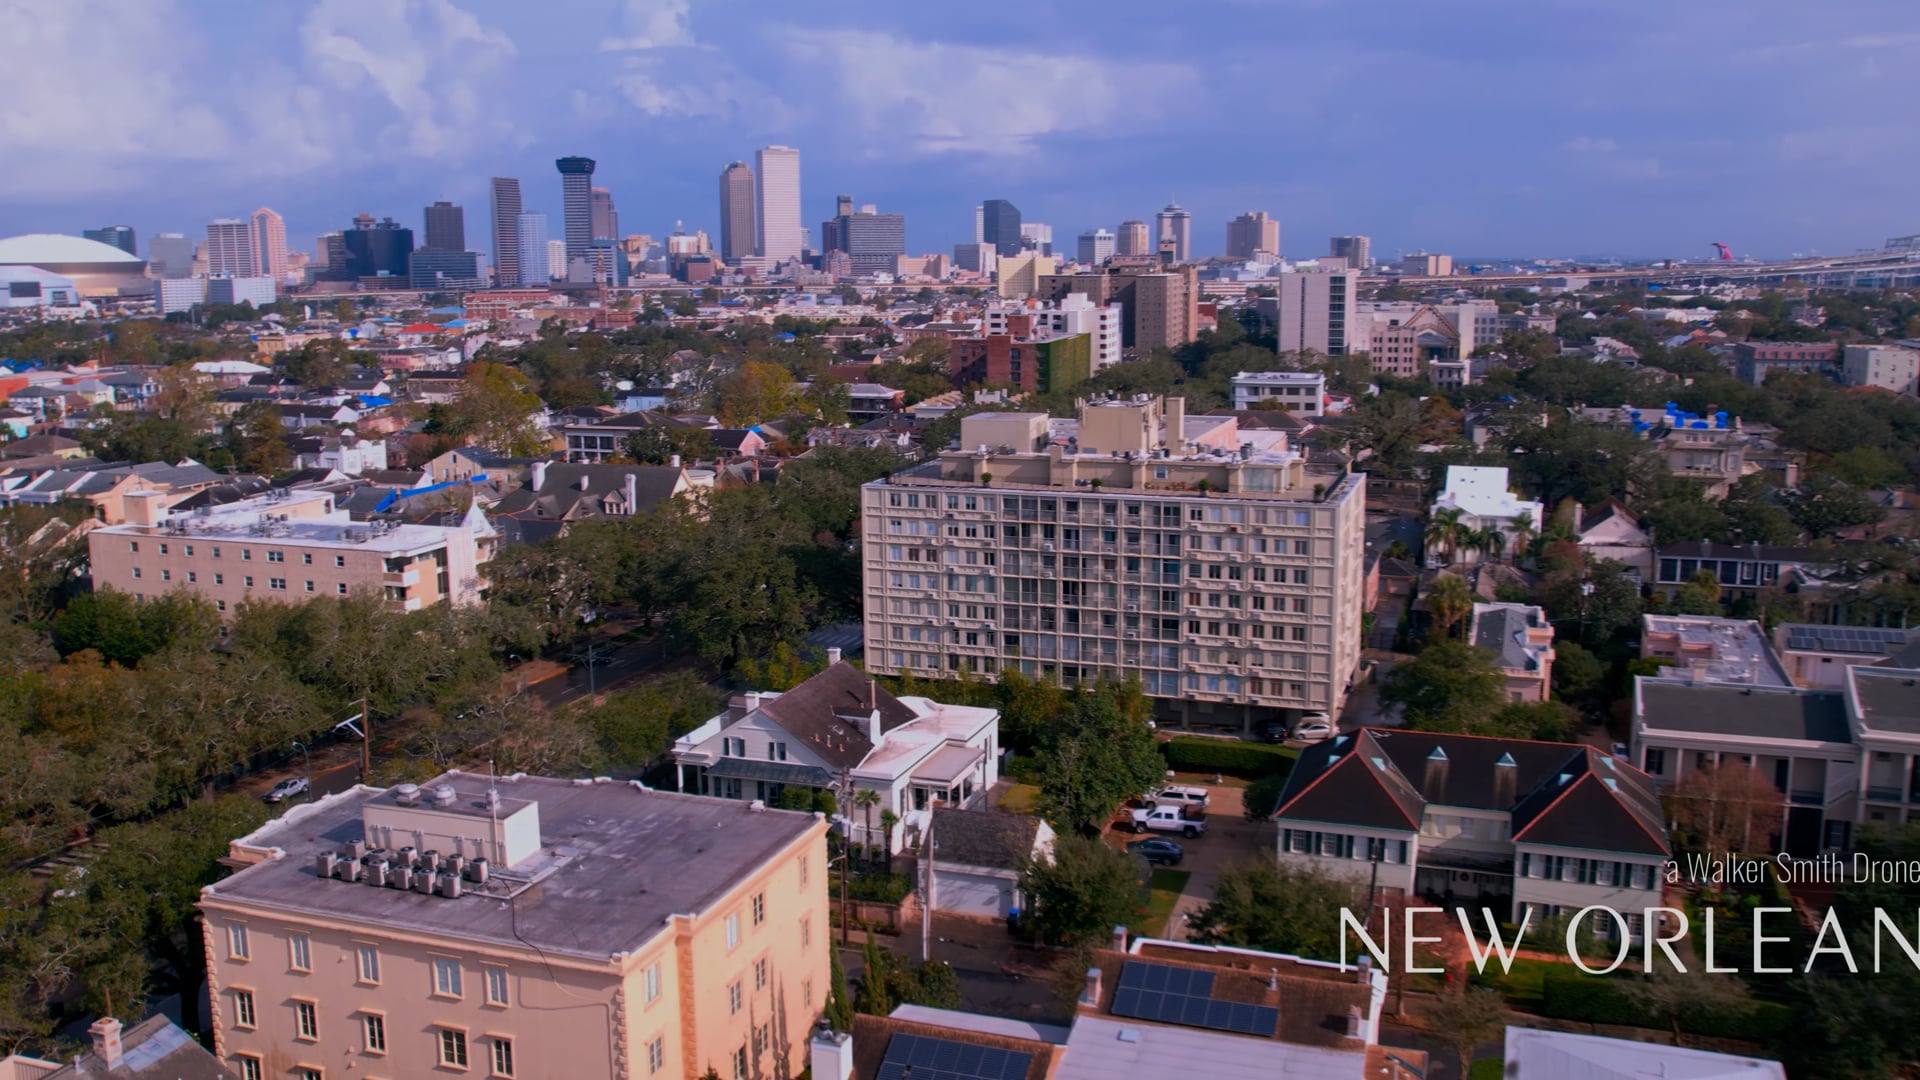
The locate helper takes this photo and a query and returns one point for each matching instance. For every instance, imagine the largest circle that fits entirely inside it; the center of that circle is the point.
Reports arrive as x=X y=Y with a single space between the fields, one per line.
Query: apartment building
x=1818 y=656
x=1303 y=393
x=1160 y=307
x=1074 y=313
x=1509 y=824
x=288 y=546
x=1521 y=641
x=1313 y=312
x=1481 y=495
x=1132 y=541
x=840 y=732
x=520 y=927
x=1021 y=355
x=1755 y=361
x=1889 y=367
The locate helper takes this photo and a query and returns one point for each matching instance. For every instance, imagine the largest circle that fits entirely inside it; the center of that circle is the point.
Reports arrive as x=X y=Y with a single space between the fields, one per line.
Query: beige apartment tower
x=1253 y=233
x=520 y=927
x=1213 y=564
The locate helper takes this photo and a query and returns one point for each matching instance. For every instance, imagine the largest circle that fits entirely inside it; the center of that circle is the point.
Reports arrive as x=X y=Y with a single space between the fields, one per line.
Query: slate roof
x=35 y=445
x=1558 y=793
x=1755 y=712
x=1501 y=629
x=561 y=497
x=153 y=1049
x=829 y=714
x=984 y=838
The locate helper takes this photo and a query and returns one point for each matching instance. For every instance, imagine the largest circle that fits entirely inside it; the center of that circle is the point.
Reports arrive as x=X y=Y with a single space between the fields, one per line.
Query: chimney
x=1356 y=1028
x=106 y=1041
x=1091 y=995
x=1176 y=413
x=831 y=1054
x=539 y=475
x=874 y=734
x=144 y=507
x=1433 y=782
x=833 y=655
x=753 y=701
x=1119 y=939
x=583 y=481
x=633 y=493
x=674 y=461
x=873 y=693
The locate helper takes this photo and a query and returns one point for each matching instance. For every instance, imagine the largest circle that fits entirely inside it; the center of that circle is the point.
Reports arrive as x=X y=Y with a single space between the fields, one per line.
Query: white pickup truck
x=1173 y=819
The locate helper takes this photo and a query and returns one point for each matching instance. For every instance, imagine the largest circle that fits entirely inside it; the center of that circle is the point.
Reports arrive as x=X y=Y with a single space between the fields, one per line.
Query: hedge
x=1250 y=760
x=1597 y=1000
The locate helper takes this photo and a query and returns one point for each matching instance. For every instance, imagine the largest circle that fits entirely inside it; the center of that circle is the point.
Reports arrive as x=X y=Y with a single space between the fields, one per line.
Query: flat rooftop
x=1735 y=650
x=616 y=862
x=1888 y=698
x=1782 y=713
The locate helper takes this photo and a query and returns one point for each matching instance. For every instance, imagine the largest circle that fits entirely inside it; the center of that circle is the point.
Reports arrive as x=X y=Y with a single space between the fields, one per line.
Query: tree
x=495 y=408
x=839 y=1002
x=1262 y=797
x=1823 y=505
x=1699 y=596
x=1675 y=995
x=125 y=630
x=1101 y=754
x=866 y=799
x=1083 y=891
x=636 y=726
x=1543 y=721
x=658 y=444
x=1449 y=601
x=1275 y=908
x=321 y=362
x=257 y=439
x=754 y=391
x=1446 y=532
x=1726 y=808
x=1450 y=686
x=1577 y=673
x=1467 y=1018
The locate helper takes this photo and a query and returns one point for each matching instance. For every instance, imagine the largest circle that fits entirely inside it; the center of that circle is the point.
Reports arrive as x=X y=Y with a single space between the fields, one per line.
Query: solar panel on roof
x=1177 y=995
x=921 y=1057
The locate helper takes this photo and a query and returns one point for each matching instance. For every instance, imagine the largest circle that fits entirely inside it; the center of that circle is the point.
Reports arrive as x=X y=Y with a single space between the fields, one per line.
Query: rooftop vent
x=407 y=794
x=443 y=795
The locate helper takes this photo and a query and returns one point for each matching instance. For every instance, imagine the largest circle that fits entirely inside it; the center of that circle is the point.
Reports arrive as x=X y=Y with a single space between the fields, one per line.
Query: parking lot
x=1230 y=839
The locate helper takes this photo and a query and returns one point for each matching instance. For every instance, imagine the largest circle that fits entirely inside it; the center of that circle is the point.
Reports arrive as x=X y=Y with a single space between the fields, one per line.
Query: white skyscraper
x=230 y=248
x=269 y=244
x=1095 y=248
x=530 y=230
x=556 y=259
x=777 y=192
x=979 y=223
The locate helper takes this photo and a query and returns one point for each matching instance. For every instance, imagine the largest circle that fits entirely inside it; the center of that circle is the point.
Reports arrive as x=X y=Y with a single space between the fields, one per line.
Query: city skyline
x=1610 y=125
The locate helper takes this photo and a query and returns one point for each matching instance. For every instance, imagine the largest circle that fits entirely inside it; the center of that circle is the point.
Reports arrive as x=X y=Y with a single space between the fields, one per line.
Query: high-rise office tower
x=979 y=224
x=1175 y=224
x=269 y=243
x=120 y=236
x=446 y=227
x=1357 y=250
x=736 y=211
x=1313 y=312
x=1036 y=237
x=557 y=260
x=606 y=220
x=378 y=250
x=1096 y=247
x=530 y=232
x=333 y=256
x=576 y=196
x=1000 y=226
x=871 y=239
x=1250 y=232
x=230 y=248
x=777 y=197
x=506 y=235
x=1133 y=239
x=170 y=255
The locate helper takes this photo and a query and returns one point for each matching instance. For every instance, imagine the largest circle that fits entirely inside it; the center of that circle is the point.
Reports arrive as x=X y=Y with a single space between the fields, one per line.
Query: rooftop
x=268 y=519
x=1533 y=1054
x=1715 y=649
x=615 y=862
x=1783 y=713
x=1868 y=641
x=1501 y=629
x=52 y=250
x=1886 y=699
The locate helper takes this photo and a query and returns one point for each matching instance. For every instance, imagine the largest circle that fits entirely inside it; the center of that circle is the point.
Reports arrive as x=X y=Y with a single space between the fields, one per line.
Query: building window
x=341 y=588
x=277 y=583
x=446 y=977
x=136 y=571
x=368 y=959
x=502 y=1056
x=1656 y=762
x=650 y=984
x=374 y=1028
x=339 y=560
x=134 y=546
x=306 y=558
x=806 y=992
x=249 y=1067
x=237 y=944
x=656 y=1054
x=309 y=586
x=733 y=930
x=760 y=974
x=806 y=931
x=307 y=1072
x=759 y=908
x=306 y=1021
x=246 y=554
x=276 y=556
x=740 y=1063
x=166 y=575
x=219 y=579
x=249 y=581
x=735 y=997
x=803 y=871
x=453 y=1048
x=300 y=952
x=244 y=1017
x=497 y=986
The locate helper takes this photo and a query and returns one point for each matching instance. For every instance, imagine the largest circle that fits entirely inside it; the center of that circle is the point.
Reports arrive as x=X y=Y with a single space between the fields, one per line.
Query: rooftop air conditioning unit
x=324 y=864
x=423 y=881
x=477 y=869
x=448 y=885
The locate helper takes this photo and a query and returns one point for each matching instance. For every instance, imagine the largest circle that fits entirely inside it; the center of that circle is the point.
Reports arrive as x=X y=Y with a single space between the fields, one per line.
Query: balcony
x=1882 y=793
x=1808 y=798
x=406 y=579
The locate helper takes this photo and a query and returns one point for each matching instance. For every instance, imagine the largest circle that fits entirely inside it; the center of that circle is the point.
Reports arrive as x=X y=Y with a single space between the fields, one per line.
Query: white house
x=840 y=732
x=1300 y=392
x=1483 y=498
x=978 y=858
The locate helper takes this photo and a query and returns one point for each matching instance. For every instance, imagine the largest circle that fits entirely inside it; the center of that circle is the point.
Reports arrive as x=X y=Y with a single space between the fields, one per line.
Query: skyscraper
x=120 y=236
x=736 y=211
x=1175 y=224
x=170 y=255
x=377 y=250
x=606 y=220
x=446 y=227
x=530 y=232
x=269 y=243
x=979 y=223
x=576 y=195
x=1250 y=232
x=870 y=239
x=1357 y=250
x=557 y=260
x=1000 y=226
x=506 y=234
x=230 y=248
x=1133 y=239
x=1096 y=247
x=777 y=193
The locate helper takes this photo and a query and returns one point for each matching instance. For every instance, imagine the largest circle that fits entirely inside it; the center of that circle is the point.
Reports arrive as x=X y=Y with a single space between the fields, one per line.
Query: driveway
x=1230 y=840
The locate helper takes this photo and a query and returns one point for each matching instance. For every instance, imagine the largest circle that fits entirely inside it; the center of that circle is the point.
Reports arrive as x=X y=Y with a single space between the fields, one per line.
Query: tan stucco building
x=524 y=927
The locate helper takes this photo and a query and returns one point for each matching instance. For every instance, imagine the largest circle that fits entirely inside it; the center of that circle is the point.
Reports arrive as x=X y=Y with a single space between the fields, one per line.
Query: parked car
x=1274 y=732
x=1178 y=819
x=1314 y=730
x=1158 y=850
x=1179 y=795
x=287 y=789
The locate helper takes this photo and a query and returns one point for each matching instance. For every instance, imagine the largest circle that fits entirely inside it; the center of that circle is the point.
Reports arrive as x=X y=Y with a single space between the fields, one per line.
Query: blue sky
x=1479 y=127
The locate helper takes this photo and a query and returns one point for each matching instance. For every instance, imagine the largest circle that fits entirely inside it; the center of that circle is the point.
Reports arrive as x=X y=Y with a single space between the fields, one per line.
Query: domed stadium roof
x=51 y=250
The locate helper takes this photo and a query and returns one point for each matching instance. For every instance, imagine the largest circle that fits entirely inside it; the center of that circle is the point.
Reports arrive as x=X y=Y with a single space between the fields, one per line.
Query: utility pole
x=926 y=900
x=365 y=717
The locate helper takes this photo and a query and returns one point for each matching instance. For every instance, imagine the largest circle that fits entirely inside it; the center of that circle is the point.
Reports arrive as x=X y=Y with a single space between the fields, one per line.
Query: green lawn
x=1524 y=987
x=1019 y=798
x=1166 y=887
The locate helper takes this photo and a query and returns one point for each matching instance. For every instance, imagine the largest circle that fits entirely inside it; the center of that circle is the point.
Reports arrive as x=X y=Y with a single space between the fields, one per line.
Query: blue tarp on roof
x=455 y=324
x=372 y=401
x=448 y=311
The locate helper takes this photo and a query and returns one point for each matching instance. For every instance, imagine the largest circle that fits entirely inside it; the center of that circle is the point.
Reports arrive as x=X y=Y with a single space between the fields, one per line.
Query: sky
x=1482 y=128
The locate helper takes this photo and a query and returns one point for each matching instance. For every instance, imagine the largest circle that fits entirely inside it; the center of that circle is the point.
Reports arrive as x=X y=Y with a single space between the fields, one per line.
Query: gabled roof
x=829 y=714
x=562 y=497
x=984 y=838
x=1606 y=510
x=153 y=1049
x=1349 y=780
x=1595 y=801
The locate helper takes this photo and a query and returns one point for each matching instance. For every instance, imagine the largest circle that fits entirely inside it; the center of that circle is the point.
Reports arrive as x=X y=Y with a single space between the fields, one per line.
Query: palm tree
x=1449 y=601
x=1524 y=535
x=888 y=819
x=1445 y=530
x=867 y=799
x=1491 y=540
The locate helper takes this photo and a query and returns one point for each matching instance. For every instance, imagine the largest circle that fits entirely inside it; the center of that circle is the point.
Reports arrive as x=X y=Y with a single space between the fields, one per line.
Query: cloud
x=652 y=24
x=1855 y=43
x=1601 y=156
x=937 y=97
